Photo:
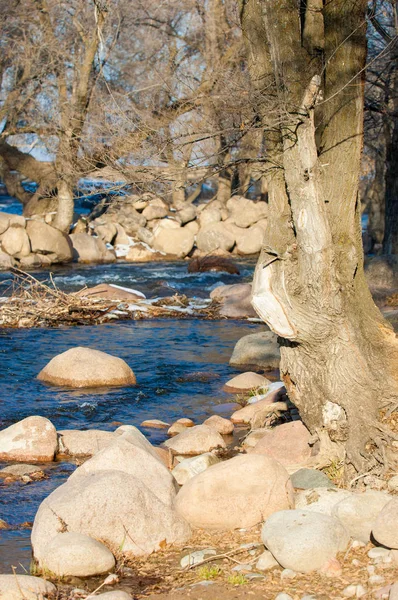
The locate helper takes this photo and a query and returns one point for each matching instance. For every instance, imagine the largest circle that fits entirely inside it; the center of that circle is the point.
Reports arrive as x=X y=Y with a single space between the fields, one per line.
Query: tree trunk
x=390 y=242
x=64 y=216
x=339 y=358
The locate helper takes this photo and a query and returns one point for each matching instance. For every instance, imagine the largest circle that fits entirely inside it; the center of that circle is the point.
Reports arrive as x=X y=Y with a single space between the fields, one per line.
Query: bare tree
x=339 y=356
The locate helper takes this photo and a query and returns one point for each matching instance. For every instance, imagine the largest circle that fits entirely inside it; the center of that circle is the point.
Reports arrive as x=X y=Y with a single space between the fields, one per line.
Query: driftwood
x=212 y=263
x=32 y=303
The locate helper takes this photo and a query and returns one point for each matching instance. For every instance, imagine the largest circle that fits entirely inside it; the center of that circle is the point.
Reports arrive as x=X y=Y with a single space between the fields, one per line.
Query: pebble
x=266 y=561
x=193 y=558
x=332 y=568
x=354 y=591
x=378 y=552
x=358 y=544
x=370 y=569
x=283 y=596
x=252 y=576
x=376 y=579
x=356 y=562
x=308 y=597
x=243 y=568
x=288 y=574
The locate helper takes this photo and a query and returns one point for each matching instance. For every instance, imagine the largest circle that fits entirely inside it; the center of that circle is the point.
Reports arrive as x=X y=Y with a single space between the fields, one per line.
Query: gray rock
x=15 y=241
x=177 y=241
x=257 y=350
x=283 y=596
x=77 y=555
x=359 y=512
x=305 y=479
x=214 y=236
x=302 y=540
x=25 y=587
x=49 y=240
x=193 y=558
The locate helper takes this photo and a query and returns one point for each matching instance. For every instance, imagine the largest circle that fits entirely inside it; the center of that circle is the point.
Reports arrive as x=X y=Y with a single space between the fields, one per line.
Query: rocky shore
x=236 y=504
x=135 y=229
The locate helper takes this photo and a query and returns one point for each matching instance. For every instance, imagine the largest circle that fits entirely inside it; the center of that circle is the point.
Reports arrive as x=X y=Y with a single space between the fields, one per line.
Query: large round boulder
x=76 y=555
x=174 y=241
x=89 y=249
x=303 y=541
x=85 y=367
x=124 y=456
x=112 y=506
x=288 y=443
x=237 y=493
x=214 y=236
x=49 y=240
x=15 y=242
x=73 y=442
x=33 y=439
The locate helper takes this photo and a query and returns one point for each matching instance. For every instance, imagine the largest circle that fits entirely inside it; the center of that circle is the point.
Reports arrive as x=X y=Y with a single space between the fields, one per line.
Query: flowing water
x=166 y=356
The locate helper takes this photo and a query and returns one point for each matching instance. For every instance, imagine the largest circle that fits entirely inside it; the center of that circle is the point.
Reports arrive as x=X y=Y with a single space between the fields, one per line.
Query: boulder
x=157 y=209
x=321 y=499
x=76 y=555
x=107 y=232
x=33 y=439
x=6 y=261
x=223 y=426
x=89 y=249
x=254 y=436
x=25 y=587
x=246 y=382
x=187 y=214
x=266 y=561
x=135 y=437
x=176 y=428
x=72 y=442
x=385 y=526
x=235 y=300
x=121 y=236
x=144 y=235
x=20 y=470
x=251 y=241
x=112 y=506
x=303 y=541
x=237 y=493
x=179 y=241
x=45 y=239
x=262 y=407
x=160 y=224
x=140 y=253
x=287 y=443
x=245 y=212
x=15 y=242
x=359 y=512
x=196 y=440
x=213 y=236
x=257 y=351
x=189 y=467
x=192 y=226
x=111 y=291
x=127 y=216
x=208 y=216
x=85 y=367
x=122 y=455
x=4 y=222
x=31 y=262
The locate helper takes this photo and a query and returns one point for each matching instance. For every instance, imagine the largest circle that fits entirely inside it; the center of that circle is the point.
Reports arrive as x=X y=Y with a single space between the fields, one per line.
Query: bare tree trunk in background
x=339 y=357
x=390 y=242
x=375 y=201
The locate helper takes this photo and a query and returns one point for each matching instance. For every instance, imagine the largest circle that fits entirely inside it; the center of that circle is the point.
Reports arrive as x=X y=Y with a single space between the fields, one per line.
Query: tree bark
x=339 y=357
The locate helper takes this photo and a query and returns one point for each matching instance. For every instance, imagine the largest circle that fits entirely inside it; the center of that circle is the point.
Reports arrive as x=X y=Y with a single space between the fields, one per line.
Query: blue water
x=166 y=356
